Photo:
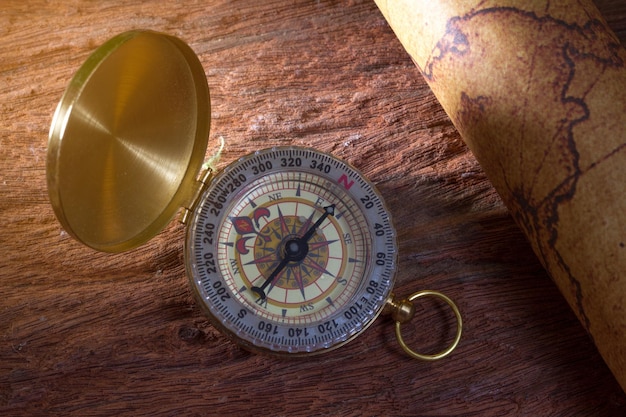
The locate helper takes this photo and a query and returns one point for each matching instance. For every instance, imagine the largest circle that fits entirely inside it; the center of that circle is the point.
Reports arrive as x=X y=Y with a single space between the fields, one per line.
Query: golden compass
x=289 y=250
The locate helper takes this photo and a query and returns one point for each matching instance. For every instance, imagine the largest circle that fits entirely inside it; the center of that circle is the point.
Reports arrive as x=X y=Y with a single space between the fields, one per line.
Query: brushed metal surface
x=128 y=139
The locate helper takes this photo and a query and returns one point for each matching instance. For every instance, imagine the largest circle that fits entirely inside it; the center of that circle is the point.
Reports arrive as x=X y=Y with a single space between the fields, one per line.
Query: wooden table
x=87 y=333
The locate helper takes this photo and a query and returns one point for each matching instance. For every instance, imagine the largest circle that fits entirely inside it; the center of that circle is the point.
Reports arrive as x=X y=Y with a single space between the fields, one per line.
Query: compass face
x=291 y=250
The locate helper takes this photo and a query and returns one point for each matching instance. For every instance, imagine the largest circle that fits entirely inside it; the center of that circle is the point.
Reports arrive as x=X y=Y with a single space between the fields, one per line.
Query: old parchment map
x=550 y=137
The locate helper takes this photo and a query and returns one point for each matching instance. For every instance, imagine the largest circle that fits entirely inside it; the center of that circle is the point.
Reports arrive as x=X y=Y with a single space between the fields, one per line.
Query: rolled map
x=537 y=90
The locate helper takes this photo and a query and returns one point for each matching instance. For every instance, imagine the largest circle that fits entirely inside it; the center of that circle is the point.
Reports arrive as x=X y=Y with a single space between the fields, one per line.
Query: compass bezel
x=219 y=301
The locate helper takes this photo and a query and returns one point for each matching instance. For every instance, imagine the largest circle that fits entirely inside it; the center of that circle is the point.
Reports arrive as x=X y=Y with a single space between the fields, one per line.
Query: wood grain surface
x=87 y=333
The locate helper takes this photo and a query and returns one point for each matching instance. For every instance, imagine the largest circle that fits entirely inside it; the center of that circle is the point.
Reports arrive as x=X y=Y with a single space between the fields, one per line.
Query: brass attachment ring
x=459 y=328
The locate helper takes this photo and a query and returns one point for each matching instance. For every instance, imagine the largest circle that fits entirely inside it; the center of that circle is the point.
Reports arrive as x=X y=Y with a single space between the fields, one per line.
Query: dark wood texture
x=87 y=333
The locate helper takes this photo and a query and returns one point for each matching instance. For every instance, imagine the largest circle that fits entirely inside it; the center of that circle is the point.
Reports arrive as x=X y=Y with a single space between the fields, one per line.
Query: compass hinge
x=201 y=184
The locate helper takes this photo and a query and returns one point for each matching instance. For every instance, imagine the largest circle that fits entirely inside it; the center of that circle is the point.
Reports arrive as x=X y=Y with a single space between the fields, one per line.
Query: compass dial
x=291 y=250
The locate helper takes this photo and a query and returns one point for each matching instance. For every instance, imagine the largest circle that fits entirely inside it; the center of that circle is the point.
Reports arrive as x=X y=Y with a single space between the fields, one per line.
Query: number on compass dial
x=291 y=250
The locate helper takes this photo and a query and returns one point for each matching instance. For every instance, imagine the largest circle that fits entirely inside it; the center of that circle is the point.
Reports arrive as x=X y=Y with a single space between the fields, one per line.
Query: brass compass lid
x=128 y=139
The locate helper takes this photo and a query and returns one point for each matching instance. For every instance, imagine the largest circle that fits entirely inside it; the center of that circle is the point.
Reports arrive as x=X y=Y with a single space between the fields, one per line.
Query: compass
x=289 y=250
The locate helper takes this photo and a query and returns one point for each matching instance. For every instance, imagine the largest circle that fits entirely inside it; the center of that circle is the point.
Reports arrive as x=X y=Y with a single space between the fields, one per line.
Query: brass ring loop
x=459 y=328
